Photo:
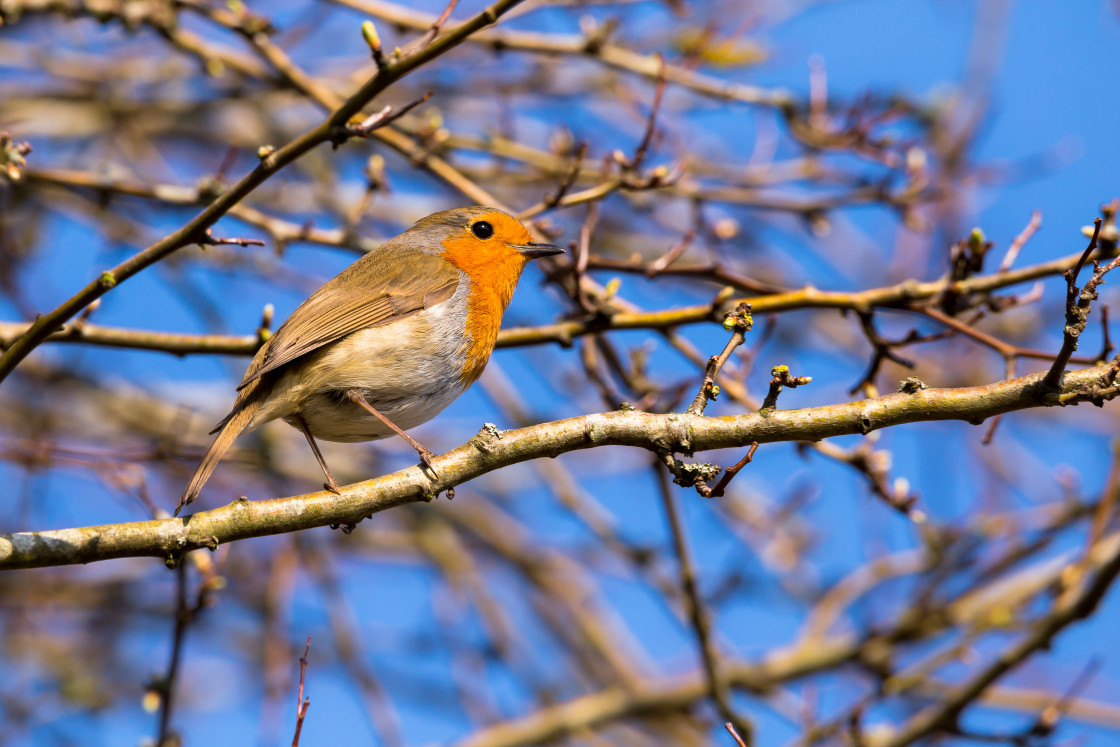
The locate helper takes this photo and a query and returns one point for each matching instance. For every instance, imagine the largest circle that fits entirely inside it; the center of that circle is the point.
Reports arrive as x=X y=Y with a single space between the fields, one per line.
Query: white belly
x=409 y=371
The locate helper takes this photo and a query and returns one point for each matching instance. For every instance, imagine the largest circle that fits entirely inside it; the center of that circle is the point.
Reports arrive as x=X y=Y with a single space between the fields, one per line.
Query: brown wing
x=381 y=287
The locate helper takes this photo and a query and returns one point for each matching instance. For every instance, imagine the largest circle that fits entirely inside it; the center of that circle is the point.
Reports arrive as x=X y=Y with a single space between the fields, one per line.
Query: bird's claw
x=426 y=457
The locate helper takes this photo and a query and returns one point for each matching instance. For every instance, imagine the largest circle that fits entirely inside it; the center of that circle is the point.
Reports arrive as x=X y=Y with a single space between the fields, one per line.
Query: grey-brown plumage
x=411 y=280
x=388 y=341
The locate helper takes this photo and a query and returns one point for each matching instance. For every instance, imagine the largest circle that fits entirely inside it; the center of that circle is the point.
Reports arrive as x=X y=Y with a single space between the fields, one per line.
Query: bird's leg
x=426 y=455
x=331 y=484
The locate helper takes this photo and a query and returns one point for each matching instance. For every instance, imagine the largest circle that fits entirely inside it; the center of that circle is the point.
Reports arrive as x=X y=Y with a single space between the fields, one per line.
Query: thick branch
x=171 y=538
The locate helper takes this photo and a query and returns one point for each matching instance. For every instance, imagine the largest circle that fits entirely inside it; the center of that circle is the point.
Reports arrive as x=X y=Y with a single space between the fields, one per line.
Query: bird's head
x=489 y=245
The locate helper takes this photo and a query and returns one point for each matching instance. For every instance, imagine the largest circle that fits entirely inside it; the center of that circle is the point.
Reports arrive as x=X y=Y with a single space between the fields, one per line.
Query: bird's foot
x=426 y=457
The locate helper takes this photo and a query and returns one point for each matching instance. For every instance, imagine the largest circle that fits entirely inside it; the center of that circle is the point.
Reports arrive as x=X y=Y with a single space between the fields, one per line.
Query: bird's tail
x=228 y=431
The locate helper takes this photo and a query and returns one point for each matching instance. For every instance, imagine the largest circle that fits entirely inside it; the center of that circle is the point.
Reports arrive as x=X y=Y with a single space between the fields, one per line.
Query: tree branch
x=488 y=451
x=944 y=714
x=901 y=295
x=194 y=230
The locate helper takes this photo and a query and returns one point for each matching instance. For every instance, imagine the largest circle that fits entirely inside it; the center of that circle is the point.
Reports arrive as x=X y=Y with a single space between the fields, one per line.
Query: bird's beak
x=534 y=250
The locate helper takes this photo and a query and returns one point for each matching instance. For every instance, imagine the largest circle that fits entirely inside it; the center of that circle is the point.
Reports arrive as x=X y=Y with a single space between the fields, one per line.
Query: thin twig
x=581 y=251
x=781 y=377
x=208 y=239
x=734 y=734
x=720 y=488
x=651 y=121
x=739 y=322
x=433 y=32
x=662 y=263
x=1049 y=716
x=1005 y=349
x=386 y=116
x=1010 y=371
x=1020 y=240
x=182 y=618
x=698 y=611
x=1106 y=338
x=1077 y=309
x=566 y=183
x=882 y=349
x=302 y=704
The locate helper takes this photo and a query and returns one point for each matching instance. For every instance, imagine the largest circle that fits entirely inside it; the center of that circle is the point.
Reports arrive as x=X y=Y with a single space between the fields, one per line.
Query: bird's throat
x=493 y=277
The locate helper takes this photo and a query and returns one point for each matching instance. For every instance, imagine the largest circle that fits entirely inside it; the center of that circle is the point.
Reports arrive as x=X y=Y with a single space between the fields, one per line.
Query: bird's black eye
x=482 y=229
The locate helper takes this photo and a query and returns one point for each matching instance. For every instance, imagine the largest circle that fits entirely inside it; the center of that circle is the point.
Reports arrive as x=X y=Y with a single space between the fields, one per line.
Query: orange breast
x=493 y=268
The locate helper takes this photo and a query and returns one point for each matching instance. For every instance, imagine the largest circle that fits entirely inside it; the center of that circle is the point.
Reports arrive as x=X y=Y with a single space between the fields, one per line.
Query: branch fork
x=738 y=322
x=1078 y=304
x=382 y=118
x=781 y=378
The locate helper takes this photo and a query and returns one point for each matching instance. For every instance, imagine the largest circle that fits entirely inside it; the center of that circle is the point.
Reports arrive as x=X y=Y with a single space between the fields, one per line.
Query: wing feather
x=388 y=284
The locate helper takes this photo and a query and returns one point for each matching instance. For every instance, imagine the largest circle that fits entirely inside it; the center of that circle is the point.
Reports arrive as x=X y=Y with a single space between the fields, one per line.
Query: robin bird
x=389 y=342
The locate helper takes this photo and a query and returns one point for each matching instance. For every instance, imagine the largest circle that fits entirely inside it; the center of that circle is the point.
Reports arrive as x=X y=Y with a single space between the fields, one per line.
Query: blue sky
x=1051 y=125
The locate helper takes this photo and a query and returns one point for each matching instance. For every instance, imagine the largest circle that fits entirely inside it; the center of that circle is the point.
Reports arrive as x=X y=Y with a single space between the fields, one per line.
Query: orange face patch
x=494 y=265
